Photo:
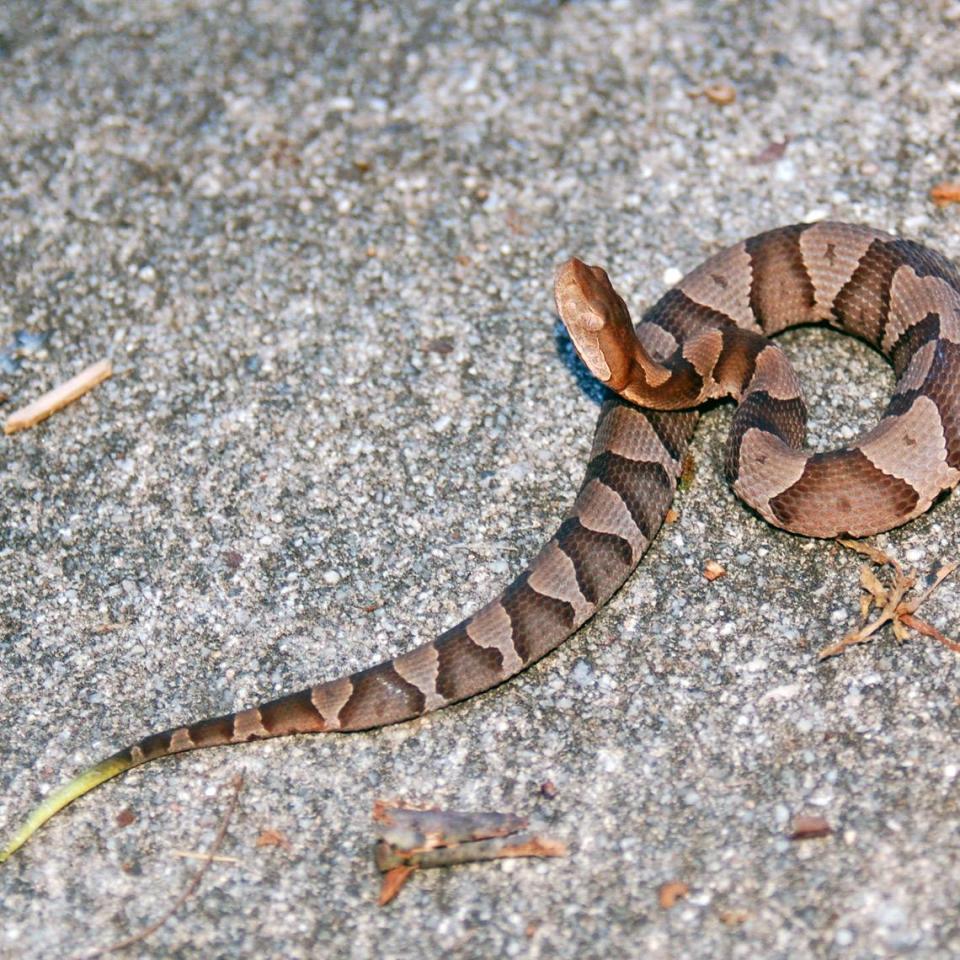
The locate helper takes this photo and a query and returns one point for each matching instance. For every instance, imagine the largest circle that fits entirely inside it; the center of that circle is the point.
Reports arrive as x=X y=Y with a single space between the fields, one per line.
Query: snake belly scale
x=705 y=338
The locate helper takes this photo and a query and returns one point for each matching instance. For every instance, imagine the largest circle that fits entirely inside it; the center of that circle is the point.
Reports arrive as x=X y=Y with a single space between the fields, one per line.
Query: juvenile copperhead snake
x=704 y=339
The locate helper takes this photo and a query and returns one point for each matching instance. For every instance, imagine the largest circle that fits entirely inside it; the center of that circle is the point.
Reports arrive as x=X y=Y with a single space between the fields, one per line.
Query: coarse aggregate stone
x=317 y=242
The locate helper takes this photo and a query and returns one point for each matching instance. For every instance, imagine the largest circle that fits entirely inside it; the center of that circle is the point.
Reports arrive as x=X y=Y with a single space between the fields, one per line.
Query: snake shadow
x=589 y=384
x=582 y=376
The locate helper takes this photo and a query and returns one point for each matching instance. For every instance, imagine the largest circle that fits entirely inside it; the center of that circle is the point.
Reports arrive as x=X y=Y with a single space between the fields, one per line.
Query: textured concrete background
x=317 y=241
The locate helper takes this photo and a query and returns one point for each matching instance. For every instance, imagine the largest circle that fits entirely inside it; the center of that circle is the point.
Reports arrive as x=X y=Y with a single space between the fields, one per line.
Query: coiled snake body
x=704 y=339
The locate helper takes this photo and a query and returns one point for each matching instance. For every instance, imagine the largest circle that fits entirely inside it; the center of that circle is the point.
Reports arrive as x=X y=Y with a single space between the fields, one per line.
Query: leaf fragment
x=671 y=892
x=413 y=837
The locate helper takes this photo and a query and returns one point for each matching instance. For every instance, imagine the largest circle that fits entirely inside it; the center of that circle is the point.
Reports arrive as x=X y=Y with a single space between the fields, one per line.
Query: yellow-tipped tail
x=77 y=787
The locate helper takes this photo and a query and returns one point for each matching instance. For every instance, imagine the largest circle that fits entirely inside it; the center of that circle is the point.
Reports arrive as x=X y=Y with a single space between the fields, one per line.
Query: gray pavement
x=317 y=241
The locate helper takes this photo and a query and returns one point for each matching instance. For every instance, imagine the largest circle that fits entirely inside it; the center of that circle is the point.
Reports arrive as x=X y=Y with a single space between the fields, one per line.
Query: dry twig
x=188 y=891
x=205 y=856
x=944 y=193
x=891 y=601
x=59 y=397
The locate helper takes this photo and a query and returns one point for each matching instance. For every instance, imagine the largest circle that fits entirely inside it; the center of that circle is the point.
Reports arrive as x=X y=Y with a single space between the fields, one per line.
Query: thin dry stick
x=911 y=606
x=189 y=890
x=895 y=609
x=901 y=586
x=57 y=398
x=199 y=855
x=929 y=630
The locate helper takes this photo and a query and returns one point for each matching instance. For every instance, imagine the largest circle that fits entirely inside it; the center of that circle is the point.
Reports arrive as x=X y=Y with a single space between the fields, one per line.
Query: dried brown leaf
x=873 y=586
x=928 y=630
x=688 y=470
x=393 y=880
x=899 y=630
x=868 y=550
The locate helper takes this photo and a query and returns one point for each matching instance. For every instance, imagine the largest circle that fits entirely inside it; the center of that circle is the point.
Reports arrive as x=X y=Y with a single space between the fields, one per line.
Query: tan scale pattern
x=330 y=698
x=831 y=253
x=913 y=297
x=918 y=368
x=912 y=447
x=659 y=342
x=420 y=667
x=603 y=511
x=722 y=283
x=781 y=291
x=774 y=467
x=774 y=375
x=623 y=433
x=181 y=740
x=844 y=495
x=247 y=724
x=703 y=352
x=491 y=627
x=554 y=575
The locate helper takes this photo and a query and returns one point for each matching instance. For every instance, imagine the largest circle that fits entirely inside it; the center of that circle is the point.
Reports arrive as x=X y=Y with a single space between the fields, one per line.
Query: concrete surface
x=317 y=241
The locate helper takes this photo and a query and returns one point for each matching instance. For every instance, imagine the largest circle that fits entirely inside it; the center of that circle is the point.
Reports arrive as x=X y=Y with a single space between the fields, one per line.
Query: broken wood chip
x=713 y=570
x=733 y=918
x=807 y=827
x=412 y=837
x=272 y=838
x=670 y=892
x=720 y=93
x=893 y=602
x=946 y=192
x=58 y=398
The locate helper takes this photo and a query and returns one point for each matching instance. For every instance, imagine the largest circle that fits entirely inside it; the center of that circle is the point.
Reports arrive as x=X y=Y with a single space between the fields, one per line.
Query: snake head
x=598 y=322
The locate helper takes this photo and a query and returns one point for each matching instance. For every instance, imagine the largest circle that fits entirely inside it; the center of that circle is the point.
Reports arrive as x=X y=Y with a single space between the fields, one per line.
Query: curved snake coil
x=704 y=339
